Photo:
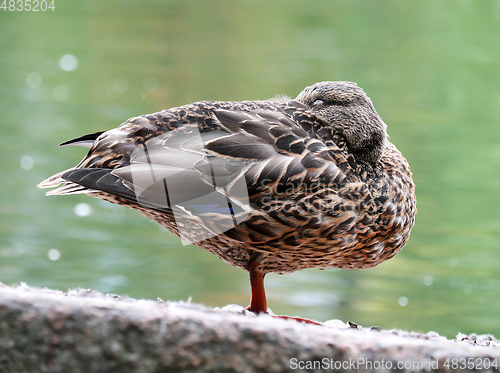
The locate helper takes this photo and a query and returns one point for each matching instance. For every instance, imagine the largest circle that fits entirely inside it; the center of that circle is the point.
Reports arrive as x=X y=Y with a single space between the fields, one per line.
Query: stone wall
x=86 y=331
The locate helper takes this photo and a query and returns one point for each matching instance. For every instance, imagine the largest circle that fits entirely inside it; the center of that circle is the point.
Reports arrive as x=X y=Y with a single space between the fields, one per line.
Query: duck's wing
x=303 y=178
x=218 y=176
x=284 y=150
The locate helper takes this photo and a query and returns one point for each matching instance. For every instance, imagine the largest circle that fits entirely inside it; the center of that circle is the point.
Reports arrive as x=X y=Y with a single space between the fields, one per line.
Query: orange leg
x=258 y=303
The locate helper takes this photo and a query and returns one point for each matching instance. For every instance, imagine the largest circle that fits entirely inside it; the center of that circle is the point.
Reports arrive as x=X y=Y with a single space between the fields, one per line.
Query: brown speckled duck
x=269 y=186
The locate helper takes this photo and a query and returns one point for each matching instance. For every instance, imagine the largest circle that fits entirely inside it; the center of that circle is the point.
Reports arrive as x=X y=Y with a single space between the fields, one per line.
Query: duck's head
x=345 y=105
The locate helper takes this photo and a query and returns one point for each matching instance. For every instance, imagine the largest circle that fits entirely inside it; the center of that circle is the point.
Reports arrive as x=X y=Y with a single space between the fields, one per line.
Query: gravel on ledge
x=43 y=330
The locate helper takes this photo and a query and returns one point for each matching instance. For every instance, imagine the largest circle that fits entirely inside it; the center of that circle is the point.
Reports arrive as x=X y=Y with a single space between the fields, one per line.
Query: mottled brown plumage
x=322 y=185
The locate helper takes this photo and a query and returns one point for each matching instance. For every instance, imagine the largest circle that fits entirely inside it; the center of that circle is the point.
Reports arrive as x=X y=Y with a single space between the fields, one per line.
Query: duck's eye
x=336 y=103
x=318 y=102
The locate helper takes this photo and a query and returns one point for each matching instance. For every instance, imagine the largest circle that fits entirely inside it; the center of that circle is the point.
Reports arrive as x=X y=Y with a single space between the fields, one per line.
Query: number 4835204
x=27 y=5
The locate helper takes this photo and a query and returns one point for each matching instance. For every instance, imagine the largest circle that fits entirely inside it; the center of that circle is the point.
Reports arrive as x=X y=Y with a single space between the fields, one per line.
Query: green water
x=432 y=69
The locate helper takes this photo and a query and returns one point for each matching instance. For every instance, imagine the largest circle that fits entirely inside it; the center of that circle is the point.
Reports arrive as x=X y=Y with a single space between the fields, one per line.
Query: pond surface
x=431 y=69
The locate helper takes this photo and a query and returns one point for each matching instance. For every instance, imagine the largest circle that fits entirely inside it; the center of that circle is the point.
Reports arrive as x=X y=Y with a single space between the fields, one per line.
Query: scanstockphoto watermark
x=365 y=364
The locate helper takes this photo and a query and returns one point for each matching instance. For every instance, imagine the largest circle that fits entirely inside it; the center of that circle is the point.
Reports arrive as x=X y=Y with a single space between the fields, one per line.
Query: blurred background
x=432 y=69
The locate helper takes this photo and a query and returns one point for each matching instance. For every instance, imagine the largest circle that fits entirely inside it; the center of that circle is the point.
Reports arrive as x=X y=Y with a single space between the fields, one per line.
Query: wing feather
x=236 y=157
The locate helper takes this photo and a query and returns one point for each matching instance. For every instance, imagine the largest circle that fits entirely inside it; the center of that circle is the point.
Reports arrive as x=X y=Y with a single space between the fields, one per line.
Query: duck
x=275 y=185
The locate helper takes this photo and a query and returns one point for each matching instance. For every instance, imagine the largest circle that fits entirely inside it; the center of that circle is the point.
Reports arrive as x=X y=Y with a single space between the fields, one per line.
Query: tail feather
x=86 y=141
x=54 y=180
x=68 y=187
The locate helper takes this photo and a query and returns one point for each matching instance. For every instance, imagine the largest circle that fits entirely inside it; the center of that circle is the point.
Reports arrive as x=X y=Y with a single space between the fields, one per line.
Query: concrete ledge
x=85 y=331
